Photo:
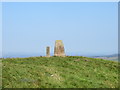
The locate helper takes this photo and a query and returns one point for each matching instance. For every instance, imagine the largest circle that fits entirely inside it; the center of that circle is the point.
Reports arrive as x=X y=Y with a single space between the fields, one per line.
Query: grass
x=59 y=72
x=0 y=73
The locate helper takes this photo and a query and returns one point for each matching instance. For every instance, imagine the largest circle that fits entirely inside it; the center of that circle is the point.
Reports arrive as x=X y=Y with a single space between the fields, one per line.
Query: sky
x=0 y=29
x=86 y=28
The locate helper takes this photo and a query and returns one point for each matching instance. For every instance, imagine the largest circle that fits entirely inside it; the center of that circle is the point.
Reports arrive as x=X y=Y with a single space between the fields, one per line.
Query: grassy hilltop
x=59 y=72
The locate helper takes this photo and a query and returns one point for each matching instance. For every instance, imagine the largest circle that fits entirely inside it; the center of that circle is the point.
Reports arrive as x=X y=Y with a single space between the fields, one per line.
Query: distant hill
x=59 y=72
x=113 y=57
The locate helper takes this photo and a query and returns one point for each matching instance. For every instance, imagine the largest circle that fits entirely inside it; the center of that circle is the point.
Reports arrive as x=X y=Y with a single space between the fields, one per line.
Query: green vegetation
x=59 y=72
x=0 y=73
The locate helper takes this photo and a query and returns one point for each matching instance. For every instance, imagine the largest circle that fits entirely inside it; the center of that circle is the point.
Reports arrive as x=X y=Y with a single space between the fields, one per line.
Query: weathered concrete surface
x=59 y=48
x=47 y=51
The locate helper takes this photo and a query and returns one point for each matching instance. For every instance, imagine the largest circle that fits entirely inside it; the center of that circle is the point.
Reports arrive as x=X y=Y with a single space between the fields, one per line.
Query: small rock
x=52 y=75
x=86 y=60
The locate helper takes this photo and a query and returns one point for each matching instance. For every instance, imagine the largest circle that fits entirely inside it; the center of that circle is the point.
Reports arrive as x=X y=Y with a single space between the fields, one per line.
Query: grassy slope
x=0 y=73
x=59 y=72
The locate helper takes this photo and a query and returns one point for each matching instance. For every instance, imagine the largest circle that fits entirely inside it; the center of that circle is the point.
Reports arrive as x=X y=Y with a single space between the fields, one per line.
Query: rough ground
x=59 y=72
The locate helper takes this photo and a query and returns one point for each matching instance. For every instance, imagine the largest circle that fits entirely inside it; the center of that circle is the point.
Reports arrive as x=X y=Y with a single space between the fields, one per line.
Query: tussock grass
x=59 y=72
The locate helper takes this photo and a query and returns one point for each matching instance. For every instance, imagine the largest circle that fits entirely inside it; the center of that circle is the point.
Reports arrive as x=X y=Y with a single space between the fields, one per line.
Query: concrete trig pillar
x=59 y=48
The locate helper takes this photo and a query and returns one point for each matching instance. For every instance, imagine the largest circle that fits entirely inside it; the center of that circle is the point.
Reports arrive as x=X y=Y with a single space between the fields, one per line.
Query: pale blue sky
x=0 y=29
x=86 y=28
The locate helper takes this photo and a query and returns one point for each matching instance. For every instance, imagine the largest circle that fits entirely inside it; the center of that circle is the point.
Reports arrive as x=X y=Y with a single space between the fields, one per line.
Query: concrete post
x=47 y=51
